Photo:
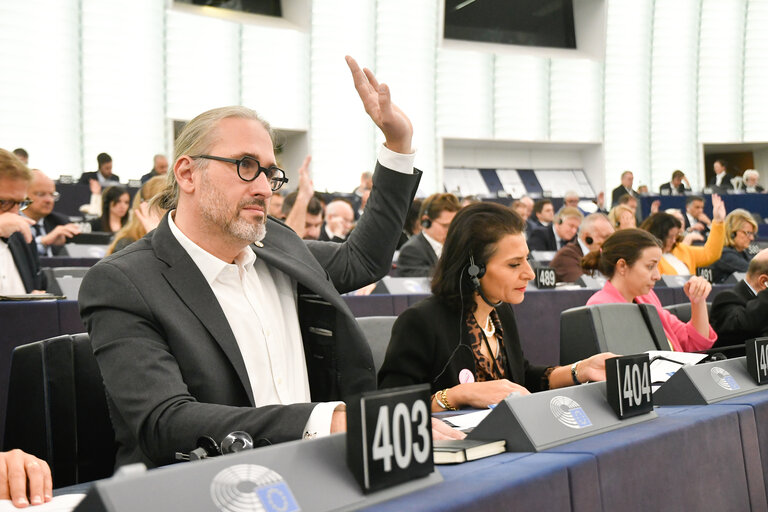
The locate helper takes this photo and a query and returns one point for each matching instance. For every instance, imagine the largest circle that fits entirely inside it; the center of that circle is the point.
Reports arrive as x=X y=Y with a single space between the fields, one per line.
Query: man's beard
x=216 y=209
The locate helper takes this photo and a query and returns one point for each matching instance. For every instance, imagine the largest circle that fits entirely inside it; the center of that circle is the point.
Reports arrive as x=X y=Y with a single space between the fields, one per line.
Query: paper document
x=466 y=421
x=63 y=503
x=664 y=364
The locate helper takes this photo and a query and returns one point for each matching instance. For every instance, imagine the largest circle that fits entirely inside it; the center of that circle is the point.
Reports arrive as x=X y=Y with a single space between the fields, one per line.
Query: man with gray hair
x=594 y=229
x=741 y=313
x=159 y=168
x=226 y=320
x=339 y=221
x=751 y=178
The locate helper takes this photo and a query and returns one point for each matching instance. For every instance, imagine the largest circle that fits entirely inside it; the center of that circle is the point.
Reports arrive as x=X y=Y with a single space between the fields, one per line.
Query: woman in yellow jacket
x=682 y=259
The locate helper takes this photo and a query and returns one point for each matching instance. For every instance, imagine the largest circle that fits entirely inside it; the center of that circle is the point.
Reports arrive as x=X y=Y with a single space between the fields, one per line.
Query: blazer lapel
x=428 y=249
x=19 y=250
x=189 y=284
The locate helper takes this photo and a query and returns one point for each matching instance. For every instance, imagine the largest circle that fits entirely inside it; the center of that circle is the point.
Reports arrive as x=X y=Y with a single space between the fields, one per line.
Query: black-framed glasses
x=7 y=205
x=748 y=234
x=248 y=169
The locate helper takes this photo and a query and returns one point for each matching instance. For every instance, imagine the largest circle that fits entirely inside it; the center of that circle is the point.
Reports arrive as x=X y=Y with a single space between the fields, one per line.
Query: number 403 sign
x=628 y=384
x=389 y=436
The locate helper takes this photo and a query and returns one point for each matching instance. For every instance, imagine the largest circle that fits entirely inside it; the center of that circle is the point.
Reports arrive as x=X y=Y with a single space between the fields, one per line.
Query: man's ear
x=183 y=170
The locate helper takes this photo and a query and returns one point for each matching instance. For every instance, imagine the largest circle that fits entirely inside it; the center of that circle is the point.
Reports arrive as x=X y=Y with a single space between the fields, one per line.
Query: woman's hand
x=593 y=368
x=697 y=289
x=480 y=395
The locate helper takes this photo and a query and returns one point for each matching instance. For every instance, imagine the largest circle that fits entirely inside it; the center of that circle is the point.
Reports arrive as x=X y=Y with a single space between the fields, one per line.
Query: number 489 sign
x=389 y=436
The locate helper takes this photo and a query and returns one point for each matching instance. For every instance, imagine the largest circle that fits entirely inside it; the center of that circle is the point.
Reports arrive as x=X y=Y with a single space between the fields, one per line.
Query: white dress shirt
x=260 y=304
x=10 y=279
x=434 y=244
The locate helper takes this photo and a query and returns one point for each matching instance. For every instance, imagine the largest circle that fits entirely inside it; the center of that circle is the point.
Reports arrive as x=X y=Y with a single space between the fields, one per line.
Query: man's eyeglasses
x=748 y=234
x=41 y=195
x=7 y=205
x=248 y=169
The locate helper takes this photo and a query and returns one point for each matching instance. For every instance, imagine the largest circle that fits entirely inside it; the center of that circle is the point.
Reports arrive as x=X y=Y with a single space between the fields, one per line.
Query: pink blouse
x=683 y=336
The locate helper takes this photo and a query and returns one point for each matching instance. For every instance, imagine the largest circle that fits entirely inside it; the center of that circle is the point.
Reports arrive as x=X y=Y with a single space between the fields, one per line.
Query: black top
x=730 y=261
x=432 y=344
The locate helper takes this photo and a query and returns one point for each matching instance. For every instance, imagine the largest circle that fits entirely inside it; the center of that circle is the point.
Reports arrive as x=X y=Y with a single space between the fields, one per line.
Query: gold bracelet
x=444 y=401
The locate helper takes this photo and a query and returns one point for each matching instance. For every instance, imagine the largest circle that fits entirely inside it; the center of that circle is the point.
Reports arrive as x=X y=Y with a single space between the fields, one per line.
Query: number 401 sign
x=628 y=384
x=389 y=436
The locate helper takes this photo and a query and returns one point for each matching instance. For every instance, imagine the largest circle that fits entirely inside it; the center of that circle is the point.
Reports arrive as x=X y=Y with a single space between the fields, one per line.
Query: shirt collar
x=210 y=266
x=754 y=292
x=436 y=246
x=584 y=248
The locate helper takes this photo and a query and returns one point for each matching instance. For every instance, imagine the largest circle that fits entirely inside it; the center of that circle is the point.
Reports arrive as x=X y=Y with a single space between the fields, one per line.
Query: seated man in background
x=159 y=168
x=226 y=319
x=741 y=313
x=543 y=214
x=22 y=155
x=19 y=264
x=593 y=231
x=24 y=479
x=103 y=176
x=276 y=205
x=751 y=177
x=51 y=229
x=694 y=217
x=339 y=221
x=557 y=234
x=419 y=255
x=675 y=187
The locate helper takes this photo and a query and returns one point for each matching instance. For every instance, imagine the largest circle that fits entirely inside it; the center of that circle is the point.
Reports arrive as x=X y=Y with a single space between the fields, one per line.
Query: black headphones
x=427 y=223
x=475 y=272
x=589 y=240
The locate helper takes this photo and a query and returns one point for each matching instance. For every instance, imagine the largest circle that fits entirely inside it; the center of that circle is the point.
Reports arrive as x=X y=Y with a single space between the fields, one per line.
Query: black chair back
x=623 y=329
x=57 y=409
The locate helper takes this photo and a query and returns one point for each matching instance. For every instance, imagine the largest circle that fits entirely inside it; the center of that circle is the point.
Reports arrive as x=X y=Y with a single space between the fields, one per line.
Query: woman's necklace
x=490 y=328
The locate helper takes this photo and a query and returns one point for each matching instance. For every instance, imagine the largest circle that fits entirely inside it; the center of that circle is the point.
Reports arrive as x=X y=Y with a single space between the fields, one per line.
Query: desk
x=690 y=458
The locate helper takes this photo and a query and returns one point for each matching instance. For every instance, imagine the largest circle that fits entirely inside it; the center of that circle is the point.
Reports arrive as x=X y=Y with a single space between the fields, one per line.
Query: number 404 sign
x=389 y=436
x=628 y=384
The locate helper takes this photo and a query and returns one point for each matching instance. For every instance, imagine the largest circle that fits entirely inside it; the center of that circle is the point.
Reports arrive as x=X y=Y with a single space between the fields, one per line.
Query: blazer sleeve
x=149 y=395
x=366 y=255
x=733 y=317
x=688 y=338
x=695 y=257
x=411 y=352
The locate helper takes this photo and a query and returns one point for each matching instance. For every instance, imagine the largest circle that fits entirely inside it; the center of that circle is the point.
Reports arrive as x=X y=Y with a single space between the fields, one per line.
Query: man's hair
x=435 y=204
x=750 y=172
x=678 y=174
x=196 y=139
x=13 y=168
x=758 y=265
x=625 y=173
x=315 y=206
x=102 y=159
x=332 y=205
x=567 y=212
x=21 y=153
x=590 y=220
x=626 y=198
x=571 y=193
x=722 y=162
x=733 y=223
x=540 y=204
x=690 y=199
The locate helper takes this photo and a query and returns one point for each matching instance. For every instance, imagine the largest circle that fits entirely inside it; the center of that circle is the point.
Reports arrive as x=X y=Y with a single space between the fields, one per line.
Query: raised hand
x=697 y=289
x=10 y=223
x=393 y=123
x=718 y=208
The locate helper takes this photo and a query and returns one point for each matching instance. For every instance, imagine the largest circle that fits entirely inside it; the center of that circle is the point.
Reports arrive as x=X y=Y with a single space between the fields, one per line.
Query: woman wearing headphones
x=740 y=231
x=463 y=340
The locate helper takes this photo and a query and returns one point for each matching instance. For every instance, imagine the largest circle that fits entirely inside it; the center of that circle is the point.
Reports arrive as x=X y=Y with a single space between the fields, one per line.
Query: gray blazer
x=170 y=362
x=417 y=258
